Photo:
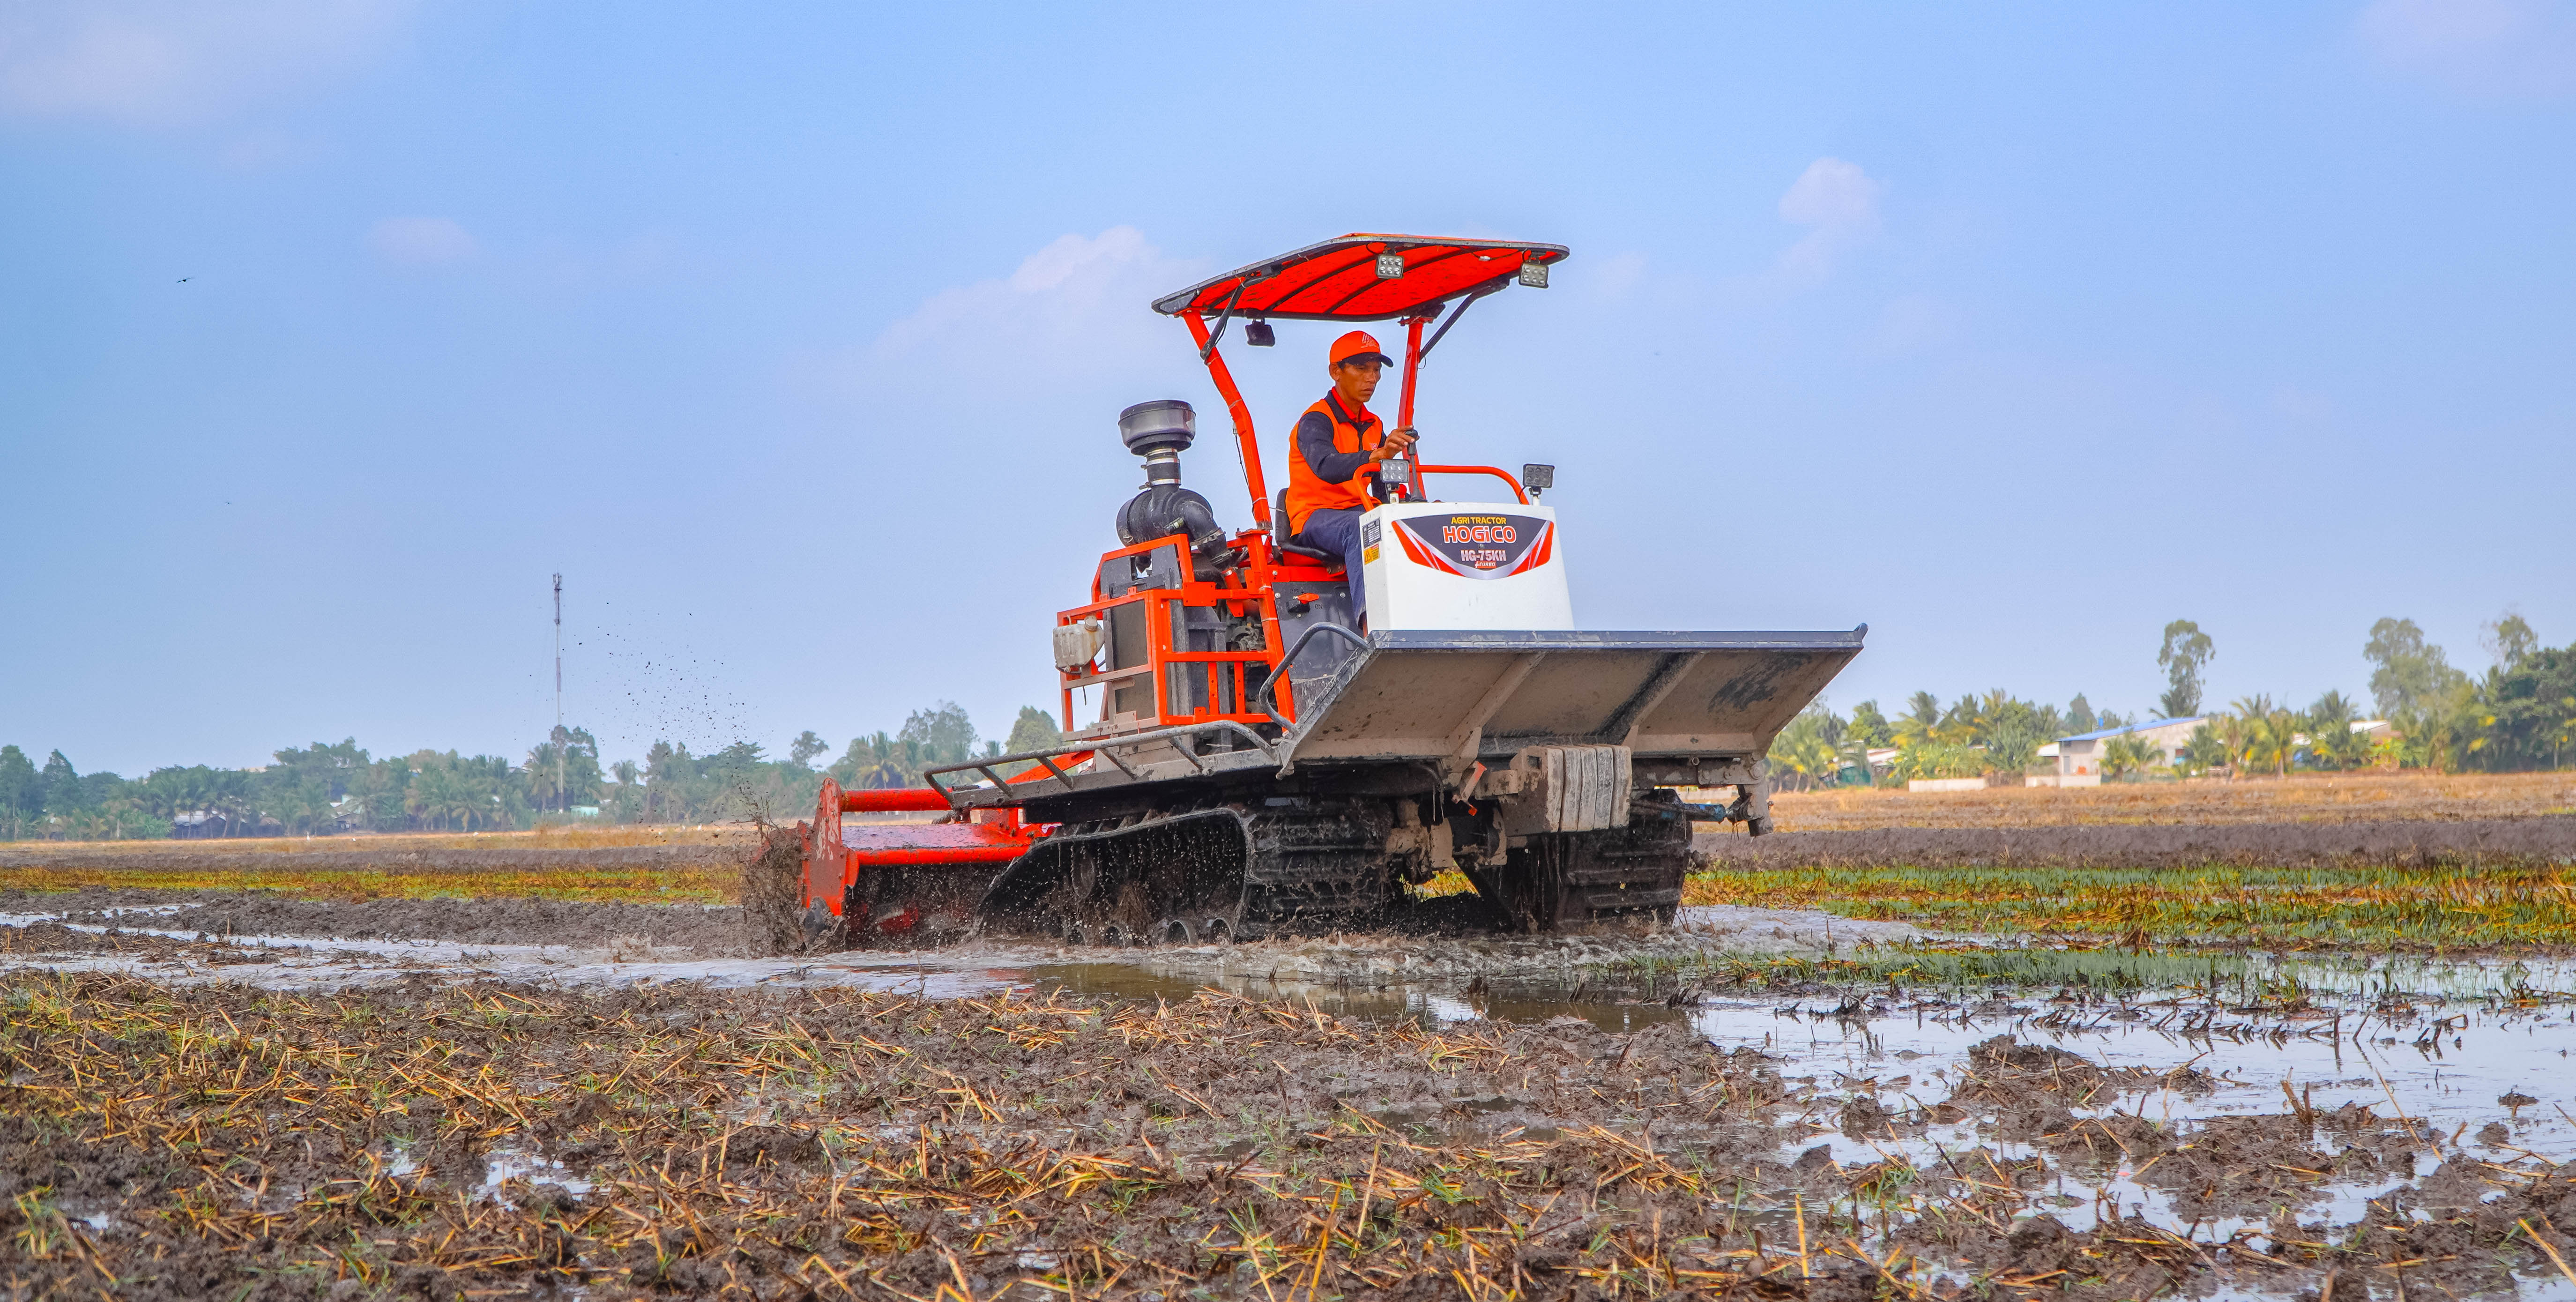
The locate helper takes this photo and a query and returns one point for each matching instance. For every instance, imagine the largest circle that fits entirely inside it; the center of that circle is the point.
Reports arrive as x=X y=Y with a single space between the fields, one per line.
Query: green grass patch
x=2241 y=979
x=2435 y=909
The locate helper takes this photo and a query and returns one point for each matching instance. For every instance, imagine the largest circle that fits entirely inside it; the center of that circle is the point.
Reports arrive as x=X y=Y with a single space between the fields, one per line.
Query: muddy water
x=2442 y=1064
x=2437 y=1047
x=2443 y=1070
x=2478 y=1081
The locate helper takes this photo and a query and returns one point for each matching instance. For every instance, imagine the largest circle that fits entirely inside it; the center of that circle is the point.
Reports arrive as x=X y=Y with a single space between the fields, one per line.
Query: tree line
x=336 y=788
x=2519 y=715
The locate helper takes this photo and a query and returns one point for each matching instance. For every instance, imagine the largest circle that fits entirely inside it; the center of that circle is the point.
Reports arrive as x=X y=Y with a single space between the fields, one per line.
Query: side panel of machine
x=1419 y=694
x=1453 y=565
x=1301 y=607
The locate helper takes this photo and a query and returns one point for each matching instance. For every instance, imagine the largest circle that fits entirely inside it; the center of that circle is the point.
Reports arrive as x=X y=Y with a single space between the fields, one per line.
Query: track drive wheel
x=1561 y=880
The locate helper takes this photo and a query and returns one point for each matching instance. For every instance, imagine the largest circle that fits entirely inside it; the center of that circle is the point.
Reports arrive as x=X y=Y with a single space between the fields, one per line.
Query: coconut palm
x=2438 y=724
x=1964 y=724
x=2130 y=754
x=2254 y=724
x=2281 y=738
x=2232 y=738
x=1921 y=719
x=2331 y=738
x=1806 y=747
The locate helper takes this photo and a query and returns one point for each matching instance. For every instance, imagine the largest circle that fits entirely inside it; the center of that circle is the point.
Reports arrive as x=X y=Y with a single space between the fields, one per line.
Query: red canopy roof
x=1337 y=280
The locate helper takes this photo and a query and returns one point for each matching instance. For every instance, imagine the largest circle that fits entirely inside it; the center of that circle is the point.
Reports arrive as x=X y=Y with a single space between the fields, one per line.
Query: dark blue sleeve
x=1315 y=444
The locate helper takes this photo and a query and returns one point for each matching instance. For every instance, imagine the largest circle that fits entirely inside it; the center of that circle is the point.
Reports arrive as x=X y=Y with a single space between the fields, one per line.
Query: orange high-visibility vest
x=1307 y=491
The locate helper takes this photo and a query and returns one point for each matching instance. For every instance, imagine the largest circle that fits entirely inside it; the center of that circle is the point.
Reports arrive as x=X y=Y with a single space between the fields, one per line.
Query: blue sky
x=794 y=338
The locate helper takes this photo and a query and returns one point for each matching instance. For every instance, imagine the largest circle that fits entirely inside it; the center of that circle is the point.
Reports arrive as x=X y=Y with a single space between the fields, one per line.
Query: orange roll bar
x=1496 y=471
x=1245 y=444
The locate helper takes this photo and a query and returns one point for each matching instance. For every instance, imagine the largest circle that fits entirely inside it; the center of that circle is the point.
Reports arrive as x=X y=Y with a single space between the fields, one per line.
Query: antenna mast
x=561 y=803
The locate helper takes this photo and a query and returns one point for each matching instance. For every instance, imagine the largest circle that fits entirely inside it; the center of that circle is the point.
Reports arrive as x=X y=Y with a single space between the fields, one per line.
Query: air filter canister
x=1163 y=425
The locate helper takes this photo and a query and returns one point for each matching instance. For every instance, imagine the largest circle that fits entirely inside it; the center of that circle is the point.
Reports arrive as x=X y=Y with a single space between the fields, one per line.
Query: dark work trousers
x=1338 y=532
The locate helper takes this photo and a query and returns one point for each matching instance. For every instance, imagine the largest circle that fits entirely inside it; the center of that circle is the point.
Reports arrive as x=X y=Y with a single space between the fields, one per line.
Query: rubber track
x=1632 y=871
x=1560 y=879
x=1312 y=870
x=1309 y=869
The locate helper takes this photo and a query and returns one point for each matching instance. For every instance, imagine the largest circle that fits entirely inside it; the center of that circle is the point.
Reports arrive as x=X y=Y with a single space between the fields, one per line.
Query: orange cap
x=1361 y=346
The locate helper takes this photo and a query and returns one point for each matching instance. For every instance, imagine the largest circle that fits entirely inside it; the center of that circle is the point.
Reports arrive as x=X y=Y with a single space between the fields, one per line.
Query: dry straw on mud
x=219 y=1142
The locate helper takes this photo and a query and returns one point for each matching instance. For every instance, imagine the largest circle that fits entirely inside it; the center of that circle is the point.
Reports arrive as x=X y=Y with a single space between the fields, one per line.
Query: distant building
x=2079 y=758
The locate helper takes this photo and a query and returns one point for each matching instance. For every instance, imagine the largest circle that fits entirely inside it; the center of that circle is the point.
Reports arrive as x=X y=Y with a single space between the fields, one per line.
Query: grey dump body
x=1537 y=763
x=1421 y=695
x=1676 y=700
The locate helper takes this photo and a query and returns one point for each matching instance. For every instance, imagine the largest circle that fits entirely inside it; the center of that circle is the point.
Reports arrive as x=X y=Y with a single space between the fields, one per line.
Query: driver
x=1336 y=439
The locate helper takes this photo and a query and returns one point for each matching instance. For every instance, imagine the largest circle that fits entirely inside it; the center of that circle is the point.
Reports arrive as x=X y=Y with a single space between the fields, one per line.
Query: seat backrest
x=1291 y=552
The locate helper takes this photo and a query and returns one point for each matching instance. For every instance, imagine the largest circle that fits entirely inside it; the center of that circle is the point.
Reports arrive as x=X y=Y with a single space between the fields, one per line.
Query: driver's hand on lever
x=1398 y=442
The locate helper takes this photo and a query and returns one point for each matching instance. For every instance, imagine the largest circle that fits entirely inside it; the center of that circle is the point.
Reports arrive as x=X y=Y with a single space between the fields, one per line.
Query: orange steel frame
x=1243 y=591
x=1246 y=590
x=997 y=836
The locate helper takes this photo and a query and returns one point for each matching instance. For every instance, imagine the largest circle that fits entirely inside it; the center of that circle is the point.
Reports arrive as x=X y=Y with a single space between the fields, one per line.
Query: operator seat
x=1320 y=594
x=1282 y=537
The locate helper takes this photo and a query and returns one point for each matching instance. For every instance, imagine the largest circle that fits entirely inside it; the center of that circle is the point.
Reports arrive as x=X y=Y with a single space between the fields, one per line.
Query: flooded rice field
x=611 y=1100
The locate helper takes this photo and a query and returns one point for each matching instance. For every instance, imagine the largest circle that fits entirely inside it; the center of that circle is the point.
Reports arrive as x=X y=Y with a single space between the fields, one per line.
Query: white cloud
x=1831 y=192
x=1837 y=199
x=1074 y=307
x=156 y=62
x=2509 y=49
x=421 y=241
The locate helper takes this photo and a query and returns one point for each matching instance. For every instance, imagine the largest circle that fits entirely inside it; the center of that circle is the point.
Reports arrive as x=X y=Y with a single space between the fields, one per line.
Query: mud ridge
x=694 y=929
x=107 y=855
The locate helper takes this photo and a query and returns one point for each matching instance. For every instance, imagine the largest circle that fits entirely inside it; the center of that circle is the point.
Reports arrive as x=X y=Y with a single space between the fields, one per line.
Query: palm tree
x=540 y=771
x=1806 y=747
x=625 y=772
x=1809 y=757
x=2254 y=731
x=2129 y=754
x=2281 y=736
x=440 y=792
x=474 y=794
x=2437 y=724
x=879 y=762
x=2330 y=733
x=1922 y=717
x=1963 y=725
x=2231 y=735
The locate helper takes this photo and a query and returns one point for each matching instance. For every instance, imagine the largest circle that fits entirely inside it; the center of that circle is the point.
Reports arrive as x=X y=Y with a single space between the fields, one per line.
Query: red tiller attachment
x=892 y=877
